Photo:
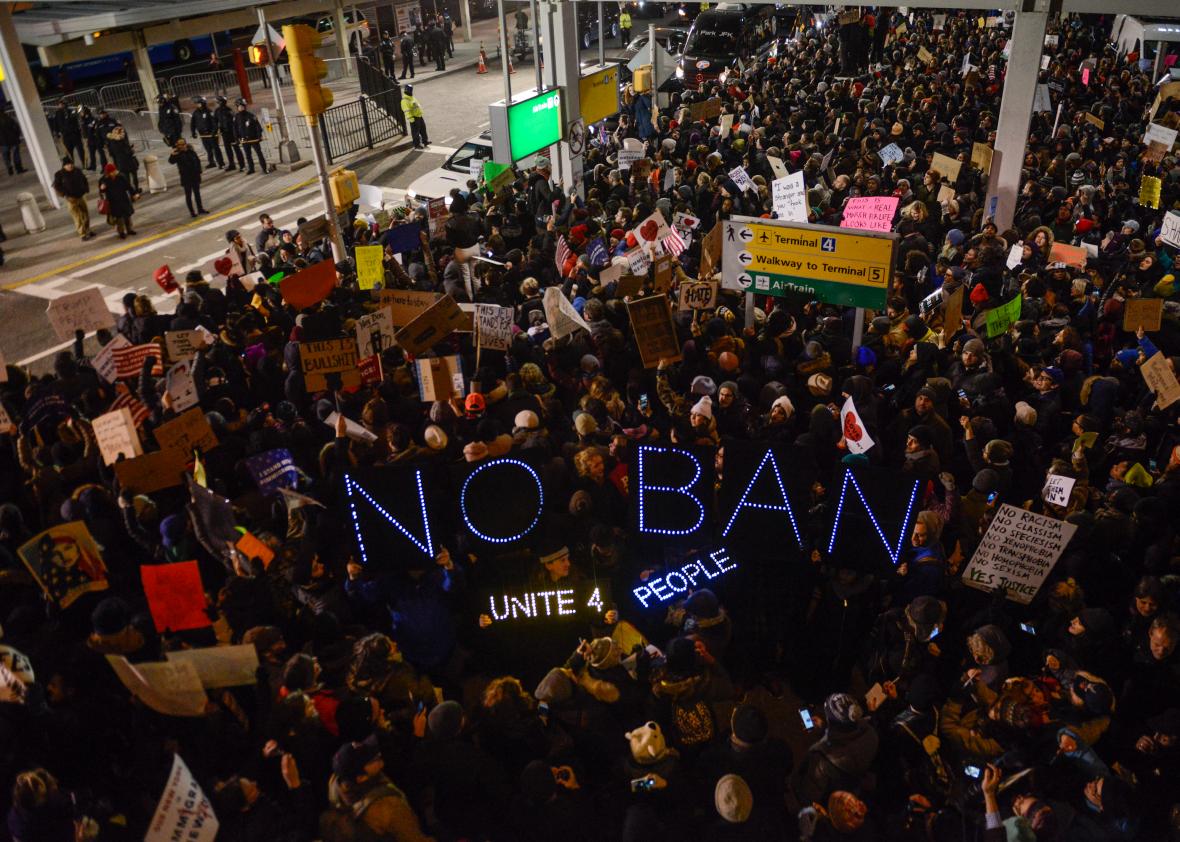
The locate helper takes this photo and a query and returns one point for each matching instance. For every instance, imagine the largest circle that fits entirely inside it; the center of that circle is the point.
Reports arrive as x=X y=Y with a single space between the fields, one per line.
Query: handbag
x=104 y=207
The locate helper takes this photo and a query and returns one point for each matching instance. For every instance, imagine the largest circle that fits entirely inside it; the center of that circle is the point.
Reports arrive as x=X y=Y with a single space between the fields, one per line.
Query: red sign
x=175 y=596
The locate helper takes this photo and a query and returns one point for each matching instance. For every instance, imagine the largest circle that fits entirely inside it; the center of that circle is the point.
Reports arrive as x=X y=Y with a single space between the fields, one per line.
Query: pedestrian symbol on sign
x=828 y=243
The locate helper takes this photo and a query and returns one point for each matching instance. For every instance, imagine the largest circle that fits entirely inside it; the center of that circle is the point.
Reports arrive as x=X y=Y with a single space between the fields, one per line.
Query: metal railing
x=125 y=95
x=212 y=83
x=140 y=126
x=87 y=97
x=355 y=126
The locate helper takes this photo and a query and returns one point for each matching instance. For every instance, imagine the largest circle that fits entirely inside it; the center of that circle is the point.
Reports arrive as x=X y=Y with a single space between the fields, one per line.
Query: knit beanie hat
x=111 y=616
x=846 y=811
x=733 y=799
x=784 y=403
x=703 y=407
x=526 y=419
x=842 y=711
x=445 y=720
x=702 y=385
x=986 y=481
x=749 y=724
x=585 y=424
x=556 y=686
x=703 y=604
x=647 y=744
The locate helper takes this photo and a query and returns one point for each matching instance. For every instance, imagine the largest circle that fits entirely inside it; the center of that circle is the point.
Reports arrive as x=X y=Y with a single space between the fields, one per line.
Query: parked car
x=456 y=170
x=356 y=24
x=671 y=38
x=588 y=22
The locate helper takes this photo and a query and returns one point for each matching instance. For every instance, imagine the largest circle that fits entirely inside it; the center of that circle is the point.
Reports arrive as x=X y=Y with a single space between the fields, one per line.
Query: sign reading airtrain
x=833 y=265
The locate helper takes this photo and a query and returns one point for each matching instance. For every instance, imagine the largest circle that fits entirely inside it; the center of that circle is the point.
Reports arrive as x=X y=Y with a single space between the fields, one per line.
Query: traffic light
x=258 y=54
x=307 y=69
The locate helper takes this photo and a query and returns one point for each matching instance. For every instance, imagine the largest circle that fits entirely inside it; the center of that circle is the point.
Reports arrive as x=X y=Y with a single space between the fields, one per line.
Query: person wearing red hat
x=115 y=191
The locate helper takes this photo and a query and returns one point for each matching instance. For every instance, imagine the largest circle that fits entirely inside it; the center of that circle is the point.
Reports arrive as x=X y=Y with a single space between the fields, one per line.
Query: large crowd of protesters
x=385 y=708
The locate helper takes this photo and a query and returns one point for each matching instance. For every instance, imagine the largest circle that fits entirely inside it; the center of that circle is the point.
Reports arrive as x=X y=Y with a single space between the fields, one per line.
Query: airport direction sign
x=833 y=265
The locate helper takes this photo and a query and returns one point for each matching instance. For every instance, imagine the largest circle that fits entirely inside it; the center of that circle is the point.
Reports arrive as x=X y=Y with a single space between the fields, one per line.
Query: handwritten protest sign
x=651 y=320
x=663 y=273
x=870 y=213
x=493 y=326
x=1146 y=313
x=560 y=314
x=82 y=310
x=1160 y=134
x=405 y=305
x=1161 y=379
x=187 y=432
x=252 y=547
x=183 y=813
x=220 y=666
x=375 y=331
x=698 y=295
x=627 y=157
x=175 y=596
x=999 y=319
x=116 y=436
x=891 y=154
x=1170 y=231
x=369 y=268
x=167 y=688
x=981 y=156
x=182 y=388
x=1057 y=489
x=1072 y=256
x=183 y=344
x=352 y=430
x=1017 y=552
x=947 y=166
x=726 y=125
x=790 y=197
x=331 y=356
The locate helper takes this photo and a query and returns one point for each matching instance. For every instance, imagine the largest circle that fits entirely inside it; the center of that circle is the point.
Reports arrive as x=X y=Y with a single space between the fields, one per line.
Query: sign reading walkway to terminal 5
x=530 y=123
x=836 y=266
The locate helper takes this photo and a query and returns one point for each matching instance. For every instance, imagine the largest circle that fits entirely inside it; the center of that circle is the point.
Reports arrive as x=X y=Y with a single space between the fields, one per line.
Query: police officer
x=225 y=124
x=407 y=48
x=413 y=112
x=66 y=126
x=625 y=26
x=169 y=122
x=95 y=139
x=249 y=131
x=389 y=54
x=205 y=127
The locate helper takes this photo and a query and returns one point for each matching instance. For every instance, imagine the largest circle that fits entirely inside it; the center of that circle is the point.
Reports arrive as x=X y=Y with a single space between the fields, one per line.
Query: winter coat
x=247 y=129
x=117 y=191
x=122 y=153
x=225 y=119
x=188 y=165
x=204 y=123
x=838 y=761
x=72 y=185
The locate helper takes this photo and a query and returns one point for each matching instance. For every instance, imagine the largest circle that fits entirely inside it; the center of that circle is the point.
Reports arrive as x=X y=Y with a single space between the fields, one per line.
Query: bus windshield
x=719 y=38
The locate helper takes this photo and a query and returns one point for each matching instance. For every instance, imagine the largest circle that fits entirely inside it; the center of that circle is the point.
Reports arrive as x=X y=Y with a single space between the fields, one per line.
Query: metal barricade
x=141 y=128
x=124 y=95
x=87 y=97
x=354 y=126
x=213 y=83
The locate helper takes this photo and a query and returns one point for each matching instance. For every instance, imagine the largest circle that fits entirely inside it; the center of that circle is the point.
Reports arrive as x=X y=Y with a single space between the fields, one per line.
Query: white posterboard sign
x=82 y=310
x=1170 y=231
x=1017 y=552
x=790 y=197
x=182 y=388
x=221 y=666
x=778 y=167
x=742 y=179
x=560 y=314
x=891 y=154
x=1015 y=255
x=493 y=326
x=116 y=436
x=627 y=157
x=1160 y=134
x=371 y=196
x=376 y=327
x=183 y=813
x=1057 y=489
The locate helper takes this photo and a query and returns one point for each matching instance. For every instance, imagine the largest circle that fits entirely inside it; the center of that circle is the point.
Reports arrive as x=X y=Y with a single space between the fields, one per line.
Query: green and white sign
x=531 y=122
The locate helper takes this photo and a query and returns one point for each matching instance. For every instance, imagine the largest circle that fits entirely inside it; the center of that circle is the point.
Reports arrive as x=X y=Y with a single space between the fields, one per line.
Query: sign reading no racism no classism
x=1017 y=552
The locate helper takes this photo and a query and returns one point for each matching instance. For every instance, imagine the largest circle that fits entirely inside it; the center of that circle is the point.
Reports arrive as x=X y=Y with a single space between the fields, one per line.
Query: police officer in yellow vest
x=413 y=112
x=625 y=26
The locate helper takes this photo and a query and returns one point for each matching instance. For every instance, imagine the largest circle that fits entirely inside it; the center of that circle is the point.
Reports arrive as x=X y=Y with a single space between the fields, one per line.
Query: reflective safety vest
x=625 y=20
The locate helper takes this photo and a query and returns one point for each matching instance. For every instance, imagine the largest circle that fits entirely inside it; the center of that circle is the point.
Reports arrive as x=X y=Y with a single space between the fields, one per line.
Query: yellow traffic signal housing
x=345 y=188
x=307 y=70
x=258 y=54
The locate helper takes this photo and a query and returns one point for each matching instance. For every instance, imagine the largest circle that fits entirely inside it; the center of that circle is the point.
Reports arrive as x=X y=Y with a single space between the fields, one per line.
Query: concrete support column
x=1020 y=87
x=22 y=93
x=465 y=19
x=341 y=28
x=143 y=69
x=565 y=63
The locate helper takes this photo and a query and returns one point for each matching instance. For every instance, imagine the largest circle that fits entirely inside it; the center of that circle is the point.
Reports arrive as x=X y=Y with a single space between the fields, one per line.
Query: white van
x=1132 y=35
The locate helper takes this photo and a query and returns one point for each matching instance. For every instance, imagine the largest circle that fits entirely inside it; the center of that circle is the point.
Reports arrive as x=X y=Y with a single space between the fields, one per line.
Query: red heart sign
x=223 y=266
x=649 y=230
x=852 y=430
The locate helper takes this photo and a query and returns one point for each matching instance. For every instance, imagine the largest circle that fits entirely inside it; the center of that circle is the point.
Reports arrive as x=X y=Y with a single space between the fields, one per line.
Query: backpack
x=693 y=722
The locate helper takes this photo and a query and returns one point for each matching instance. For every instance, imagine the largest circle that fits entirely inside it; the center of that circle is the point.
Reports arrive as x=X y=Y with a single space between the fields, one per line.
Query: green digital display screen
x=534 y=123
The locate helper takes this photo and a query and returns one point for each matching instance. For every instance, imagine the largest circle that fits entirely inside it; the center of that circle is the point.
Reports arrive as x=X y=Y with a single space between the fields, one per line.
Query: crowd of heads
x=805 y=696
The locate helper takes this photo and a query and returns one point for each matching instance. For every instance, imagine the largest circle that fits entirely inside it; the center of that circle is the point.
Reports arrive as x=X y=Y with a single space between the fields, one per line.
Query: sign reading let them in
x=835 y=266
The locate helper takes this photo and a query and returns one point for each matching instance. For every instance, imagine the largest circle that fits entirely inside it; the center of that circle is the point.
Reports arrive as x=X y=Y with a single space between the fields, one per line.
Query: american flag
x=129 y=360
x=673 y=244
x=563 y=252
x=124 y=398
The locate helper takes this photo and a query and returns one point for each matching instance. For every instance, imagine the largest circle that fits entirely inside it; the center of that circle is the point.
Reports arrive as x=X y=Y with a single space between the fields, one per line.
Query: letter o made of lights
x=463 y=501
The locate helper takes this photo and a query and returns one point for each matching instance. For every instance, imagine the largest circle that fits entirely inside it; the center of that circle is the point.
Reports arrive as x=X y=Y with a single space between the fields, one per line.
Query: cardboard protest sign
x=981 y=156
x=406 y=305
x=1161 y=379
x=182 y=388
x=1160 y=134
x=870 y=213
x=663 y=273
x=272 y=470
x=65 y=561
x=726 y=125
x=706 y=110
x=1072 y=256
x=116 y=436
x=432 y=326
x=175 y=596
x=1057 y=490
x=925 y=56
x=1094 y=121
x=308 y=287
x=560 y=314
x=777 y=166
x=1017 y=552
x=945 y=193
x=493 y=326
x=183 y=813
x=252 y=547
x=856 y=437
x=952 y=313
x=629 y=286
x=187 y=432
x=153 y=471
x=698 y=295
x=947 y=166
x=652 y=230
x=891 y=154
x=369 y=268
x=711 y=251
x=173 y=689
x=82 y=310
x=440 y=378
x=655 y=333
x=375 y=332
x=790 y=197
x=315 y=229
x=129 y=360
x=330 y=356
x=220 y=666
x=1170 y=231
x=104 y=360
x=184 y=344
x=999 y=319
x=1149 y=191
x=1146 y=313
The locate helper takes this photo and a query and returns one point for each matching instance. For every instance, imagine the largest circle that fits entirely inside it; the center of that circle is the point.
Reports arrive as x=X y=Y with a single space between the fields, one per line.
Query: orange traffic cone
x=483 y=60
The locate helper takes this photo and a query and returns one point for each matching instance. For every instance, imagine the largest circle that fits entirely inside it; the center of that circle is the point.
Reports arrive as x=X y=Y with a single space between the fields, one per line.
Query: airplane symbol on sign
x=746 y=234
x=745 y=258
x=827 y=243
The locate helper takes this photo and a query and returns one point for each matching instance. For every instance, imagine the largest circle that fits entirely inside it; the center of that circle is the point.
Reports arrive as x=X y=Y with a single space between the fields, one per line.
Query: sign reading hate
x=1017 y=552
